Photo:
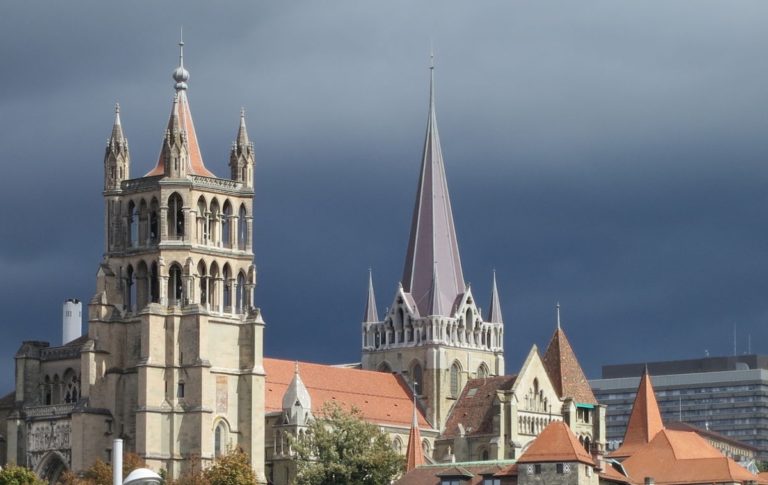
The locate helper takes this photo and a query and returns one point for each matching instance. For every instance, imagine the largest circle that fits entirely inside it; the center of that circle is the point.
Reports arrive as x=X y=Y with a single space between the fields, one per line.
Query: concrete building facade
x=728 y=395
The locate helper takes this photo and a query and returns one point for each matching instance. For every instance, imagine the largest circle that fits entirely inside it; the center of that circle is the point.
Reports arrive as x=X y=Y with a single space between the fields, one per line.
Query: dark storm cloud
x=609 y=155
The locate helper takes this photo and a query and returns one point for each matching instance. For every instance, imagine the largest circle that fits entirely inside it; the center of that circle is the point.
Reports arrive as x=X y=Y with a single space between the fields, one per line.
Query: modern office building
x=728 y=395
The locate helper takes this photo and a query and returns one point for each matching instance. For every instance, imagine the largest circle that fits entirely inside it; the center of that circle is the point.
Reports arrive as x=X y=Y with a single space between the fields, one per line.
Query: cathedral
x=173 y=360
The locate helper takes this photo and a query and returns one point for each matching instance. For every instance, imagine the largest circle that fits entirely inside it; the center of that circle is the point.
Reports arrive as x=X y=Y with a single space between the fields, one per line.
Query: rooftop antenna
x=749 y=344
x=734 y=339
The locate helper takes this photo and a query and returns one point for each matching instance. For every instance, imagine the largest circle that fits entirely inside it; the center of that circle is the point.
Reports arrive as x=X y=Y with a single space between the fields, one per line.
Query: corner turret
x=241 y=158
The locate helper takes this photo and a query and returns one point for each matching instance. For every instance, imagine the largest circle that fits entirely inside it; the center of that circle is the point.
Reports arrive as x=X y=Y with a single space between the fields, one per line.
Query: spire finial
x=558 y=315
x=431 y=55
x=242 y=112
x=181 y=75
x=117 y=114
x=296 y=367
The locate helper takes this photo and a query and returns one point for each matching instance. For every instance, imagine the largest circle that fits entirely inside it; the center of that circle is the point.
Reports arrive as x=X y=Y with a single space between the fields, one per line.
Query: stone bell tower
x=175 y=364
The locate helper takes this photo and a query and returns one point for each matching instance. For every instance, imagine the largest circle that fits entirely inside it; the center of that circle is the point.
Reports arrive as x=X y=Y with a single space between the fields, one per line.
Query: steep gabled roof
x=474 y=408
x=644 y=421
x=382 y=398
x=682 y=457
x=565 y=372
x=433 y=248
x=556 y=443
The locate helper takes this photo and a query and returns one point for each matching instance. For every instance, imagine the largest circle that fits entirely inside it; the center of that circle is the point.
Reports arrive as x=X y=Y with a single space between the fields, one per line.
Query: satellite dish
x=142 y=476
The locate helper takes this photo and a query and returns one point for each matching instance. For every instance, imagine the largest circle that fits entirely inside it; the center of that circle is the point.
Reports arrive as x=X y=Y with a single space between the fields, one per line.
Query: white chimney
x=72 y=321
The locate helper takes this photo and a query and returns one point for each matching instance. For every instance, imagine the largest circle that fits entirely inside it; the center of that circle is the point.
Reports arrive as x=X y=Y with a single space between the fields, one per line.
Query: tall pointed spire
x=432 y=243
x=371 y=314
x=242 y=131
x=194 y=158
x=494 y=310
x=644 y=421
x=414 y=455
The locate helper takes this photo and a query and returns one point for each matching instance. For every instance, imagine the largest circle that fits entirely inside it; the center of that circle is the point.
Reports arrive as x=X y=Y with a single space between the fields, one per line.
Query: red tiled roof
x=432 y=475
x=556 y=443
x=414 y=455
x=682 y=457
x=644 y=421
x=474 y=408
x=196 y=165
x=709 y=434
x=381 y=397
x=565 y=372
x=611 y=474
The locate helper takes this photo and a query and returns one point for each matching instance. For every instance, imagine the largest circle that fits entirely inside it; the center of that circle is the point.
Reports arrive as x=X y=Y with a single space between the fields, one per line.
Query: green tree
x=100 y=473
x=231 y=469
x=342 y=449
x=18 y=475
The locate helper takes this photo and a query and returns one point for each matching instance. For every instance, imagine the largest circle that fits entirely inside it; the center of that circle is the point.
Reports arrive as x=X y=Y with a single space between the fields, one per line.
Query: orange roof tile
x=381 y=397
x=565 y=371
x=556 y=443
x=611 y=474
x=681 y=457
x=474 y=408
x=414 y=455
x=471 y=474
x=644 y=421
x=196 y=165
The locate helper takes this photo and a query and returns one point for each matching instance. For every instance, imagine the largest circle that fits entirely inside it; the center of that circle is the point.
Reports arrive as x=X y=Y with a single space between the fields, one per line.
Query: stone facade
x=172 y=362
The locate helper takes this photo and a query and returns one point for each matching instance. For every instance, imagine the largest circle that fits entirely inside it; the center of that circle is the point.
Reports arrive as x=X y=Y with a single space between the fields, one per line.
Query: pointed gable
x=645 y=420
x=556 y=443
x=565 y=372
x=433 y=247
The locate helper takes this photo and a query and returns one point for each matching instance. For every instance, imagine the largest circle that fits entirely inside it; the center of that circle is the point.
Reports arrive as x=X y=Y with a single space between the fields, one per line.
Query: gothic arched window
x=175 y=217
x=455 y=379
x=482 y=371
x=220 y=439
x=175 y=285
x=418 y=378
x=242 y=228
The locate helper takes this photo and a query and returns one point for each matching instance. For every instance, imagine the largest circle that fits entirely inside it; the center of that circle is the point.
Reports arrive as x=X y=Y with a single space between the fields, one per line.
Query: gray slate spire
x=433 y=247
x=371 y=314
x=494 y=310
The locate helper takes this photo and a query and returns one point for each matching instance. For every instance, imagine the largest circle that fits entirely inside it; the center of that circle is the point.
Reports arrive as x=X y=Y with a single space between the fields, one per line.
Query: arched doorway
x=51 y=466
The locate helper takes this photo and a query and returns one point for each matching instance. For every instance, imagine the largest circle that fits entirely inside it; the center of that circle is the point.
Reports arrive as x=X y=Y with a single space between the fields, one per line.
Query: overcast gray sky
x=609 y=155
